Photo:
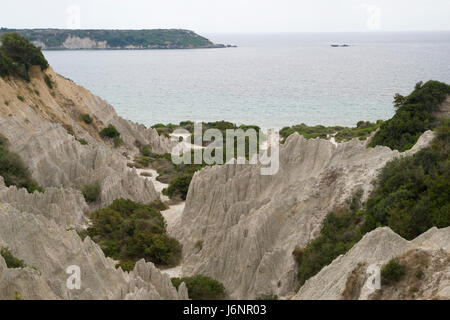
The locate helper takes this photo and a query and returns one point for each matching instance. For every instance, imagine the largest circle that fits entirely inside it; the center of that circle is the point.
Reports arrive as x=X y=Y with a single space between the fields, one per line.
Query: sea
x=270 y=80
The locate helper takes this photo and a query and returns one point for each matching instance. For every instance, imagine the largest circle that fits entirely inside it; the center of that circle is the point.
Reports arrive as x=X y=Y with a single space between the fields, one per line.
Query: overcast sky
x=230 y=16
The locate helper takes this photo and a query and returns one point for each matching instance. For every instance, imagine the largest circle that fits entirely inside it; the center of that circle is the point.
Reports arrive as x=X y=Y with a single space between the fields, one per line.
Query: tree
x=23 y=53
x=399 y=101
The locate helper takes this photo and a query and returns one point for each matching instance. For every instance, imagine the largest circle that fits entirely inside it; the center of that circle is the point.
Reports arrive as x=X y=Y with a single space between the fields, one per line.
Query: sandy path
x=159 y=186
x=171 y=215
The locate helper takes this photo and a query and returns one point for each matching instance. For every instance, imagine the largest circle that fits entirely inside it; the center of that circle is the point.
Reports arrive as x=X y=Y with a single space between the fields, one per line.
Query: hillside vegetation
x=179 y=176
x=201 y=287
x=17 y=55
x=14 y=171
x=411 y=195
x=414 y=115
x=157 y=38
x=362 y=130
x=129 y=231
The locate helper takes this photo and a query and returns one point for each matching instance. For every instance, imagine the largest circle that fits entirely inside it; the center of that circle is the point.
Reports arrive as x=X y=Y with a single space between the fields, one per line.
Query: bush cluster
x=412 y=194
x=179 y=186
x=414 y=116
x=119 y=38
x=179 y=176
x=87 y=118
x=202 y=287
x=11 y=261
x=340 y=231
x=91 y=192
x=14 y=171
x=392 y=272
x=362 y=130
x=17 y=55
x=109 y=132
x=129 y=231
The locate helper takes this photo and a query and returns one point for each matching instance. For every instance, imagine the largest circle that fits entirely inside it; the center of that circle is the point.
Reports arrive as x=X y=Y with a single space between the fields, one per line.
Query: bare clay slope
x=429 y=253
x=241 y=228
x=42 y=125
x=43 y=129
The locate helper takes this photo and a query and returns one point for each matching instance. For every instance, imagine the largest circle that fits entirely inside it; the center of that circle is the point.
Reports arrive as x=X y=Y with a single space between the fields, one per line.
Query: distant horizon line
x=229 y=32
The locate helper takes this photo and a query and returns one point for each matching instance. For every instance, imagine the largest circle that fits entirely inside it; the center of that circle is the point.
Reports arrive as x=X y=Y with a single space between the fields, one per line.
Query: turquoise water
x=269 y=80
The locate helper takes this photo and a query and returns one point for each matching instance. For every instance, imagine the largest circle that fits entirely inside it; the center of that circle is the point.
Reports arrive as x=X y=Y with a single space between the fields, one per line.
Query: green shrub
x=17 y=55
x=21 y=98
x=201 y=287
x=13 y=170
x=179 y=186
x=91 y=192
x=413 y=193
x=338 y=234
x=362 y=130
x=87 y=118
x=126 y=265
x=392 y=272
x=6 y=65
x=109 y=132
x=17 y=296
x=413 y=117
x=146 y=151
x=130 y=231
x=11 y=261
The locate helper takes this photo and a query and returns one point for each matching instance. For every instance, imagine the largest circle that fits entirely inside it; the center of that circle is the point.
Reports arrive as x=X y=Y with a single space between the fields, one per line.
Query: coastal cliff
x=249 y=225
x=238 y=226
x=61 y=39
x=44 y=122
